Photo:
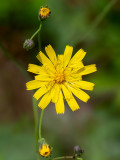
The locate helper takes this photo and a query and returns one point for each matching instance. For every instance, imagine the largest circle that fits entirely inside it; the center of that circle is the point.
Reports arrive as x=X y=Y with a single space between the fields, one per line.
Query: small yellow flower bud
x=45 y=150
x=44 y=13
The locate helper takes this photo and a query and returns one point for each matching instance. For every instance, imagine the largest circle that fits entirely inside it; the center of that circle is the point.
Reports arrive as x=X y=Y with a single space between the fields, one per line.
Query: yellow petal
x=34 y=84
x=45 y=61
x=77 y=57
x=76 y=67
x=60 y=109
x=84 y=85
x=51 y=54
x=60 y=59
x=79 y=93
x=66 y=92
x=45 y=101
x=60 y=62
x=40 y=92
x=73 y=77
x=44 y=78
x=48 y=70
x=67 y=55
x=38 y=57
x=44 y=70
x=89 y=69
x=73 y=104
x=34 y=68
x=73 y=73
x=55 y=93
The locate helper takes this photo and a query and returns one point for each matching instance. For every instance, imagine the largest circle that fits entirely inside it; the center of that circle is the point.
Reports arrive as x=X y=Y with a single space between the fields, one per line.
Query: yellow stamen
x=59 y=77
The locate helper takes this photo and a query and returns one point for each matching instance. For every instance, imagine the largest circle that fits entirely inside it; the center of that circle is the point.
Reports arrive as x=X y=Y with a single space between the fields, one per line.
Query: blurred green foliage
x=96 y=129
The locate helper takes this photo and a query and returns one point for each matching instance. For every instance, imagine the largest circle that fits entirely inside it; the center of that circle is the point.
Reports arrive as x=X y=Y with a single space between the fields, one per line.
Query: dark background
x=96 y=126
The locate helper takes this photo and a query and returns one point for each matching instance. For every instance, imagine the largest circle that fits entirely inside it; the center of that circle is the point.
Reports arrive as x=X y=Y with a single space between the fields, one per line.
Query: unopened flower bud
x=78 y=151
x=28 y=44
x=44 y=13
x=44 y=148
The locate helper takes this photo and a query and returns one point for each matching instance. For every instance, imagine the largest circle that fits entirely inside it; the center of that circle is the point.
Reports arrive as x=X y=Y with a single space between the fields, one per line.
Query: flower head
x=78 y=151
x=60 y=77
x=44 y=12
x=45 y=150
x=28 y=44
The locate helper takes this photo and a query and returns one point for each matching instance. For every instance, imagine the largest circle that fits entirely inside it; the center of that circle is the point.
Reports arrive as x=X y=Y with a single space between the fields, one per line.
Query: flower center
x=59 y=77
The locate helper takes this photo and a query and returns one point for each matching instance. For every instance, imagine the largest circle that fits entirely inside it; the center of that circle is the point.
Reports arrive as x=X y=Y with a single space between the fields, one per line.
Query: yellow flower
x=44 y=12
x=60 y=75
x=45 y=150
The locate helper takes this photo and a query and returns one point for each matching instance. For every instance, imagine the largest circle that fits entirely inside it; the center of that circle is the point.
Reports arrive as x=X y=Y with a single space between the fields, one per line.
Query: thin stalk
x=64 y=157
x=42 y=111
x=34 y=101
x=96 y=22
x=39 y=41
x=36 y=121
x=36 y=31
x=40 y=124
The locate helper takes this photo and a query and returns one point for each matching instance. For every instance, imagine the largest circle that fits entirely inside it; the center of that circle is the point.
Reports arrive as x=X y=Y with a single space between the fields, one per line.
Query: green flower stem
x=40 y=124
x=37 y=32
x=64 y=157
x=35 y=111
x=96 y=22
x=37 y=133
x=39 y=41
x=42 y=111
x=34 y=101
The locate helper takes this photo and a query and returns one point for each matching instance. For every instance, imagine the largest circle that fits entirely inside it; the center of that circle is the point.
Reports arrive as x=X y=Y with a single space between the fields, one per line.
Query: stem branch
x=36 y=31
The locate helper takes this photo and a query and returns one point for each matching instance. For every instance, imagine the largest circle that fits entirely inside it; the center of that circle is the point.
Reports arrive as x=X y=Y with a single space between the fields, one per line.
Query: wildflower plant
x=59 y=78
